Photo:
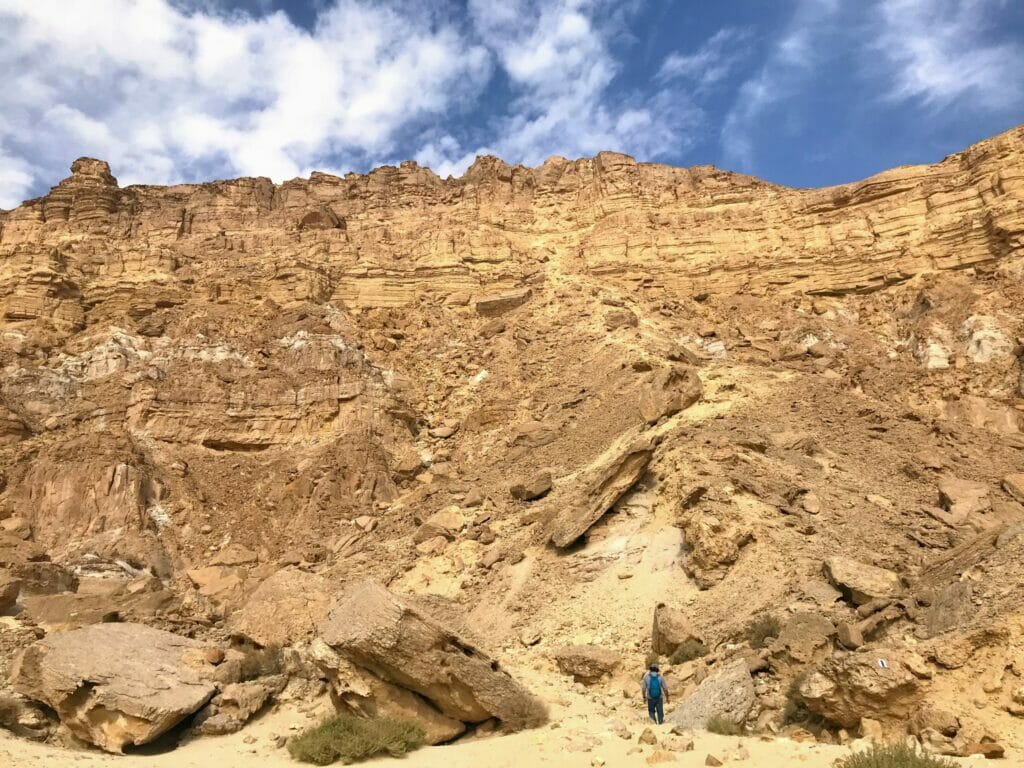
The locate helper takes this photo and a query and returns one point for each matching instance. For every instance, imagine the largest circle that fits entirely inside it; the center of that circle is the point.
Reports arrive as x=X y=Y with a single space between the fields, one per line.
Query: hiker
x=655 y=694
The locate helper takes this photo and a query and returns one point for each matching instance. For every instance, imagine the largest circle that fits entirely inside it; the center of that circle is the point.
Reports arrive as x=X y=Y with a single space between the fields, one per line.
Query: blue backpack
x=654 y=687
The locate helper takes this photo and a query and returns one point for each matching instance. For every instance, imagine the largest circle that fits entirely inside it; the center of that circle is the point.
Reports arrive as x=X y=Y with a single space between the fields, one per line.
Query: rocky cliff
x=446 y=385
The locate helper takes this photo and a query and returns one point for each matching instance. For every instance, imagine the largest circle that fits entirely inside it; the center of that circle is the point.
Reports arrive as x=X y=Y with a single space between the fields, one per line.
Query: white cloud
x=561 y=68
x=712 y=63
x=159 y=90
x=942 y=51
x=788 y=64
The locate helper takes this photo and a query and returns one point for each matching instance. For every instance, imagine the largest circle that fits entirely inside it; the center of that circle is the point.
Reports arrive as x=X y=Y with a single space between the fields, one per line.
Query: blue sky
x=800 y=92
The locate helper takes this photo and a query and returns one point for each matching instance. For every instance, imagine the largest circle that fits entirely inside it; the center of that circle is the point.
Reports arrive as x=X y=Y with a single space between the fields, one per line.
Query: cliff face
x=244 y=357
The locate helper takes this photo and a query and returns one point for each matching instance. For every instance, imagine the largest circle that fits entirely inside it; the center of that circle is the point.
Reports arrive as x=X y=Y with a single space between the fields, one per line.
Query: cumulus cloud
x=560 y=66
x=167 y=92
x=172 y=90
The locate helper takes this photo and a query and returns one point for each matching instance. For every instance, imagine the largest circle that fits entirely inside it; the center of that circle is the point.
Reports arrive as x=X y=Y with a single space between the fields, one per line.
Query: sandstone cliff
x=204 y=383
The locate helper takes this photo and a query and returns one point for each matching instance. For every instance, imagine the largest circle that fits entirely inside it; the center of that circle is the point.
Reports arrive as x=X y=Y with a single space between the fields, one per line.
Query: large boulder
x=601 y=484
x=877 y=684
x=861 y=583
x=364 y=694
x=399 y=643
x=114 y=685
x=284 y=609
x=727 y=692
x=586 y=663
x=671 y=629
x=805 y=634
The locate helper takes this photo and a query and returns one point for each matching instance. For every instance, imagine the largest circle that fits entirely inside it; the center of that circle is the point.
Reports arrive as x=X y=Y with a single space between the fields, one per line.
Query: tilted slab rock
x=600 y=486
x=396 y=641
x=114 y=685
x=366 y=695
x=861 y=582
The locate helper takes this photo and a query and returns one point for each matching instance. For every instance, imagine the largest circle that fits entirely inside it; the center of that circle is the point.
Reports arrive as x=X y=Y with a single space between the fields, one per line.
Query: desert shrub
x=261 y=662
x=893 y=756
x=724 y=726
x=688 y=651
x=351 y=739
x=796 y=710
x=761 y=628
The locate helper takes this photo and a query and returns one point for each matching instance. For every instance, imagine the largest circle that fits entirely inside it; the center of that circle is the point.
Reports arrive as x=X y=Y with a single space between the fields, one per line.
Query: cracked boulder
x=115 y=685
x=397 y=643
x=877 y=684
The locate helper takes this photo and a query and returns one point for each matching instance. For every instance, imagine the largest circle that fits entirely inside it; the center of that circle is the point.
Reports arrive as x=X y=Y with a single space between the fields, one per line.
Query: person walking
x=655 y=694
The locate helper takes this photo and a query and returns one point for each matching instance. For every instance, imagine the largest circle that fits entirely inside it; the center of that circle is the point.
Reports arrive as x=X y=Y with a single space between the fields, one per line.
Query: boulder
x=962 y=498
x=714 y=543
x=447 y=523
x=671 y=391
x=951 y=608
x=285 y=609
x=804 y=634
x=671 y=629
x=236 y=704
x=1014 y=485
x=71 y=610
x=364 y=694
x=601 y=484
x=586 y=663
x=114 y=685
x=402 y=645
x=23 y=717
x=874 y=684
x=498 y=303
x=234 y=554
x=532 y=488
x=10 y=588
x=225 y=585
x=728 y=692
x=861 y=583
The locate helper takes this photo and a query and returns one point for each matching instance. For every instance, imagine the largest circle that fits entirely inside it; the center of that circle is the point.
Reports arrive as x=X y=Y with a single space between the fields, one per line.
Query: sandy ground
x=544 y=746
x=578 y=737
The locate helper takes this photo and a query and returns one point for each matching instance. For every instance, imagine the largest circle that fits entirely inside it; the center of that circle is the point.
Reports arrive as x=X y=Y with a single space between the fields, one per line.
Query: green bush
x=351 y=739
x=688 y=651
x=761 y=628
x=724 y=726
x=796 y=710
x=893 y=756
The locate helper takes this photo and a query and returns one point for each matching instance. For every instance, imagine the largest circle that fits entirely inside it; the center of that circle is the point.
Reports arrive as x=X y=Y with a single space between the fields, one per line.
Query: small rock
x=712 y=760
x=1014 y=485
x=532 y=488
x=660 y=756
x=991 y=750
x=647 y=737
